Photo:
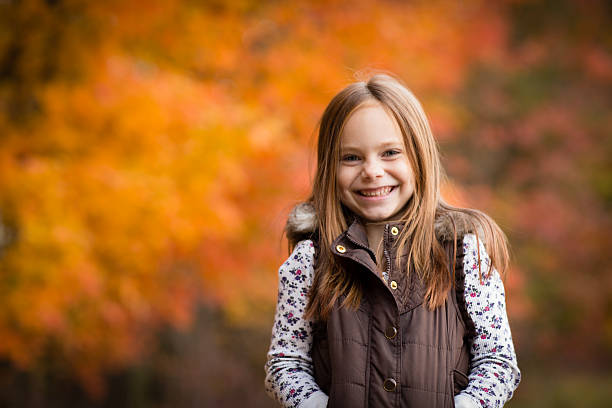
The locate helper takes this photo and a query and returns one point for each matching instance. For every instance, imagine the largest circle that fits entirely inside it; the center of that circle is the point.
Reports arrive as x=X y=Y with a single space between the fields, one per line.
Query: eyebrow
x=382 y=145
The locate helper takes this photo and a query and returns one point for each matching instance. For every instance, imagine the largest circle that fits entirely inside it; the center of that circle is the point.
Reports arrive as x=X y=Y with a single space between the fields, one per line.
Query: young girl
x=389 y=298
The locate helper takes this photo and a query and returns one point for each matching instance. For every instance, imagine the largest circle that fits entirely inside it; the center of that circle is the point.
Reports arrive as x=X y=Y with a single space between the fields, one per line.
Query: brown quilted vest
x=392 y=351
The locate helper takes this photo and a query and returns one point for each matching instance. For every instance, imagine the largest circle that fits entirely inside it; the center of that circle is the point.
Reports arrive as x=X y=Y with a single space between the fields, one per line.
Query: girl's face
x=375 y=178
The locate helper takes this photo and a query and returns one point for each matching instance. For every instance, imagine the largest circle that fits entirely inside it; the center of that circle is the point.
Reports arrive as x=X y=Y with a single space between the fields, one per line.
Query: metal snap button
x=390 y=384
x=390 y=332
x=393 y=285
x=394 y=231
x=340 y=249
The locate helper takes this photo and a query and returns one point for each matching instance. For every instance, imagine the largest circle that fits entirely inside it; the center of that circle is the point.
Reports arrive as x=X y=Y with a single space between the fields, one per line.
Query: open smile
x=376 y=192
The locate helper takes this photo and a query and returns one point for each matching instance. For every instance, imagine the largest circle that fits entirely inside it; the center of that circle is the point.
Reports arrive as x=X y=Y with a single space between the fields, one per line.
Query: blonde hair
x=419 y=214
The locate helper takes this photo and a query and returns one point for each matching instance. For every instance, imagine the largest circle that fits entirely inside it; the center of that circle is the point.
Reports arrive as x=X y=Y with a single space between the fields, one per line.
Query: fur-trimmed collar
x=302 y=223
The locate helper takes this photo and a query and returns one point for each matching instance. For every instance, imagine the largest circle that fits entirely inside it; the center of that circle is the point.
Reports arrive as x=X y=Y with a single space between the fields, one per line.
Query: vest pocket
x=460 y=381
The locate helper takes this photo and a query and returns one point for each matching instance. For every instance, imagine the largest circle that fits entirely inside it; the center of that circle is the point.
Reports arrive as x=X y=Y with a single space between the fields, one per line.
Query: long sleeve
x=494 y=373
x=289 y=375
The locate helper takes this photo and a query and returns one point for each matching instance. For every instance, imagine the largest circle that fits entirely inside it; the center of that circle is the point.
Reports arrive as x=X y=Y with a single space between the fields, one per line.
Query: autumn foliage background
x=151 y=151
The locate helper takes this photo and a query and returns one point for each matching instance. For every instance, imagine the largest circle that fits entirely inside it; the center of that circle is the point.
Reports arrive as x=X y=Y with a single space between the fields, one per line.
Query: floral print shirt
x=494 y=374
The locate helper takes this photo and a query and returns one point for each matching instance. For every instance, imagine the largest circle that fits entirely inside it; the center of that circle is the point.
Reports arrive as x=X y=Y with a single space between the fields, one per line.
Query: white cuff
x=464 y=401
x=317 y=399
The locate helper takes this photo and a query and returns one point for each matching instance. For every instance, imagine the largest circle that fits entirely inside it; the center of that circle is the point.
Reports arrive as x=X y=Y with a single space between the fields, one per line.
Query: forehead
x=370 y=124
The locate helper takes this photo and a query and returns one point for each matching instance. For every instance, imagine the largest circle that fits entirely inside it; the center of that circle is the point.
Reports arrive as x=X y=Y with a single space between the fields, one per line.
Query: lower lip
x=376 y=198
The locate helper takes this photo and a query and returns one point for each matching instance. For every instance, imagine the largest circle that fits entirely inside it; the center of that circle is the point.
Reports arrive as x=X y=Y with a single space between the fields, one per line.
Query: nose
x=372 y=169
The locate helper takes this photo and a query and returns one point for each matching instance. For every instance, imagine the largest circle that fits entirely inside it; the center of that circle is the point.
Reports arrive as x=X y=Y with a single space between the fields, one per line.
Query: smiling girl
x=389 y=297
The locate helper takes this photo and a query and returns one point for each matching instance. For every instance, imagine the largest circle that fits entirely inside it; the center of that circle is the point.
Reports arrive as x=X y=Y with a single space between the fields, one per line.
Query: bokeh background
x=151 y=151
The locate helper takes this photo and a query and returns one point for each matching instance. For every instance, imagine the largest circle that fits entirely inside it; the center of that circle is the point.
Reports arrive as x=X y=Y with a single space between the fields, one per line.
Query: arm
x=494 y=374
x=289 y=376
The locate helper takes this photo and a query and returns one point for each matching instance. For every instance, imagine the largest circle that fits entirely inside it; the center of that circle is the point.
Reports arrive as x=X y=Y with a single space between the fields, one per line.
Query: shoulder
x=472 y=244
x=299 y=266
x=477 y=264
x=304 y=251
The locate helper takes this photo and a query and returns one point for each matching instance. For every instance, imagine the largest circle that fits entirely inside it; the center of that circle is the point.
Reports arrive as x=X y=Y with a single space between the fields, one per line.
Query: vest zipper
x=387 y=257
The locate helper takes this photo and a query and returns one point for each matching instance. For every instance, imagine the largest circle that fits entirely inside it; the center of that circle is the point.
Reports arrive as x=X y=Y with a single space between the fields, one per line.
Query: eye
x=391 y=153
x=350 y=157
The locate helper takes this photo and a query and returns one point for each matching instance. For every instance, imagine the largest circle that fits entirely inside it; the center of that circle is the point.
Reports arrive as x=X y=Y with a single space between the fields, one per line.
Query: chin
x=377 y=217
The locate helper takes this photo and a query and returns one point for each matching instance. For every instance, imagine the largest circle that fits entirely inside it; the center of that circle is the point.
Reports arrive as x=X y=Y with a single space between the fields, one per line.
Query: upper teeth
x=378 y=192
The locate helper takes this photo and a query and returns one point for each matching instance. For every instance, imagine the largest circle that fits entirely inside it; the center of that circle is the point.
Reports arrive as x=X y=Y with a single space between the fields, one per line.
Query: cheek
x=343 y=180
x=408 y=173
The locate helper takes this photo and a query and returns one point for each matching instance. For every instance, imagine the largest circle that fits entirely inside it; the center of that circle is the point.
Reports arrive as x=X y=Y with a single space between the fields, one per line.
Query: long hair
x=419 y=214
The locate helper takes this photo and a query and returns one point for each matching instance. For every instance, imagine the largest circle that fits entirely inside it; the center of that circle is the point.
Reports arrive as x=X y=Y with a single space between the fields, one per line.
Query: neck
x=375 y=235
